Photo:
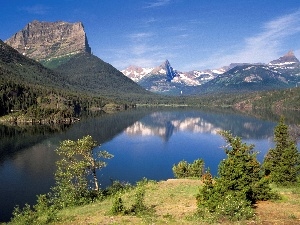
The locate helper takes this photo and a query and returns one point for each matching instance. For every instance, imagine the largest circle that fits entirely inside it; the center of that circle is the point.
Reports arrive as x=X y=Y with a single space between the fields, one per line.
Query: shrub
x=117 y=187
x=184 y=169
x=118 y=206
x=41 y=213
x=139 y=206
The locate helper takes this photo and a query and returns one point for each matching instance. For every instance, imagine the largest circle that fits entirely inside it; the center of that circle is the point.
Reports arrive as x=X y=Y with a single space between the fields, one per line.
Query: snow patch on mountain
x=190 y=78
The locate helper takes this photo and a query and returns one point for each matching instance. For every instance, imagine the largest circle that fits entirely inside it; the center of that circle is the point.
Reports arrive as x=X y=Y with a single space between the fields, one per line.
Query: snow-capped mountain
x=280 y=73
x=288 y=59
x=164 y=79
x=136 y=73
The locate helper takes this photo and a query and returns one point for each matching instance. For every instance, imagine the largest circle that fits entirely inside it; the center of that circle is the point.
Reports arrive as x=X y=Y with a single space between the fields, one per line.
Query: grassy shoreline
x=174 y=202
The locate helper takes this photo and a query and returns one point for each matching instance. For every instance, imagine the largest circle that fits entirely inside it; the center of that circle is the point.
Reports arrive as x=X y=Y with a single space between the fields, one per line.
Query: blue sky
x=191 y=34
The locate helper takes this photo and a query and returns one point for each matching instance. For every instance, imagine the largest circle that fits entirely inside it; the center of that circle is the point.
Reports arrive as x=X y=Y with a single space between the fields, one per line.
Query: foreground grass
x=170 y=202
x=174 y=202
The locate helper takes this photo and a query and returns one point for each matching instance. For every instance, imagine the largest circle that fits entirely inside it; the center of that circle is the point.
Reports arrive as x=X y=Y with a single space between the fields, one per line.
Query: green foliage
x=118 y=206
x=139 y=201
x=23 y=216
x=239 y=183
x=117 y=187
x=235 y=208
x=41 y=213
x=76 y=180
x=282 y=163
x=184 y=169
x=138 y=207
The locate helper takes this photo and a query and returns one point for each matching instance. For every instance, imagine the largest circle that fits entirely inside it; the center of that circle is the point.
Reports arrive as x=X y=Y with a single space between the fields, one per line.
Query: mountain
x=45 y=40
x=159 y=79
x=63 y=47
x=287 y=59
x=164 y=79
x=88 y=73
x=136 y=73
x=28 y=86
x=21 y=69
x=280 y=73
x=248 y=78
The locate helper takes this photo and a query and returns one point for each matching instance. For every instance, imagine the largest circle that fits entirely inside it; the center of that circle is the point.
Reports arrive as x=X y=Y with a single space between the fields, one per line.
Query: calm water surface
x=145 y=143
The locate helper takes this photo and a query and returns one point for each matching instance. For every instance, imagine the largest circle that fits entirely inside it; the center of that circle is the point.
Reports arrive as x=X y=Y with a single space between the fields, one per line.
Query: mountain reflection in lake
x=144 y=142
x=151 y=146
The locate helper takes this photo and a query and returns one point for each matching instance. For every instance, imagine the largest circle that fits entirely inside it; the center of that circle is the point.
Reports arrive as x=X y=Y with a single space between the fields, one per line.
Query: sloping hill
x=21 y=69
x=88 y=73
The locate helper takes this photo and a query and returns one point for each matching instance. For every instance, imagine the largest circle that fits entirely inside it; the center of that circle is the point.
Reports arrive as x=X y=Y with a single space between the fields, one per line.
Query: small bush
x=234 y=208
x=116 y=187
x=24 y=216
x=41 y=213
x=118 y=206
x=184 y=169
x=138 y=206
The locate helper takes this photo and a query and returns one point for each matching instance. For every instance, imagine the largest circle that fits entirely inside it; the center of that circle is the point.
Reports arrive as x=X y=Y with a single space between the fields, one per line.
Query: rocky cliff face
x=46 y=40
x=288 y=59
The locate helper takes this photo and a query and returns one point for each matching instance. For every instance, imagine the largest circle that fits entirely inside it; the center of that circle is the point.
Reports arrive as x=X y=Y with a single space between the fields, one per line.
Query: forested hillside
x=88 y=73
x=30 y=88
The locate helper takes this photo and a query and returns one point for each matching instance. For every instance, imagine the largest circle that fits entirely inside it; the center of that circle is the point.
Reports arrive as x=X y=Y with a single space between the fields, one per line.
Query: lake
x=144 y=142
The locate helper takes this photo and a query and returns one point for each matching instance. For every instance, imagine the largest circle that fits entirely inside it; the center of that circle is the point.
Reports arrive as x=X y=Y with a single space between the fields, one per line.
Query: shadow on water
x=16 y=138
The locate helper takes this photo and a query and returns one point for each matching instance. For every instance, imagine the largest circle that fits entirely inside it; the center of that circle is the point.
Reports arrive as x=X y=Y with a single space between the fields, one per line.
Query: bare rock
x=46 y=40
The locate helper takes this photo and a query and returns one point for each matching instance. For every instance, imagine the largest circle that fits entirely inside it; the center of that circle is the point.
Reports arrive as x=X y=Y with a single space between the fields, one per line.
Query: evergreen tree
x=239 y=183
x=282 y=163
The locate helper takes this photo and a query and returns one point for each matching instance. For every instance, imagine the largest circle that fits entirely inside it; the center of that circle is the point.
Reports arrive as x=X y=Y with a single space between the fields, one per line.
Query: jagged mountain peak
x=41 y=40
x=290 y=54
x=165 y=69
x=288 y=58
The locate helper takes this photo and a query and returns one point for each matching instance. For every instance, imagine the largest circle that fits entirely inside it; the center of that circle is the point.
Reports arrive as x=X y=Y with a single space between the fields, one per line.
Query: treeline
x=41 y=101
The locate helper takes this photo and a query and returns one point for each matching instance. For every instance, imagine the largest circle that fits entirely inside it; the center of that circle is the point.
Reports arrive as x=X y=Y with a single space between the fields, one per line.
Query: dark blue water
x=145 y=143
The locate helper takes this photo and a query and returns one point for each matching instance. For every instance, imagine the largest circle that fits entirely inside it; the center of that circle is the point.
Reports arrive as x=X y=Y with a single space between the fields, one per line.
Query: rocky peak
x=45 y=40
x=288 y=58
x=165 y=69
x=171 y=73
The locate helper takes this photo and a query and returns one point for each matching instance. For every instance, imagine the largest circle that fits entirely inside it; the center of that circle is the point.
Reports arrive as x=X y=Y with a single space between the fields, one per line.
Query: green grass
x=174 y=202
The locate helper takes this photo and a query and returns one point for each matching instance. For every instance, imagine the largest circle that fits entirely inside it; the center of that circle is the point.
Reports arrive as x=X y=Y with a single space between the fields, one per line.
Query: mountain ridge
x=281 y=73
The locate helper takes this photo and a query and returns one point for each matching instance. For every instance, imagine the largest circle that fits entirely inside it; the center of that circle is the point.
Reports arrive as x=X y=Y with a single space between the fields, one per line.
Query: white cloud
x=140 y=36
x=157 y=3
x=36 y=9
x=263 y=47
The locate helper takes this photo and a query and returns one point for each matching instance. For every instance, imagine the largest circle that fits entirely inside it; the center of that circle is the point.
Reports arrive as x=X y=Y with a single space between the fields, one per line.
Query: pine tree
x=282 y=163
x=239 y=183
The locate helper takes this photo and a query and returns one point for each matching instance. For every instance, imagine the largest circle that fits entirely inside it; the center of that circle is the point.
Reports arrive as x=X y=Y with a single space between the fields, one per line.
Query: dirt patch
x=268 y=212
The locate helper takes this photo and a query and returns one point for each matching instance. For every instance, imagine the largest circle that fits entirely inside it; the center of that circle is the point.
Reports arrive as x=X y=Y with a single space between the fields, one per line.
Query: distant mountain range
x=280 y=73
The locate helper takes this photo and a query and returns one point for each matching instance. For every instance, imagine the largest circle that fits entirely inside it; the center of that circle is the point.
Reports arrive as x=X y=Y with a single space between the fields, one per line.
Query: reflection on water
x=165 y=124
x=168 y=127
x=145 y=143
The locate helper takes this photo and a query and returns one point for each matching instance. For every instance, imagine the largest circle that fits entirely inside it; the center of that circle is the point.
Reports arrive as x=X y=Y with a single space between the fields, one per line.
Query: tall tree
x=282 y=163
x=76 y=178
x=239 y=183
